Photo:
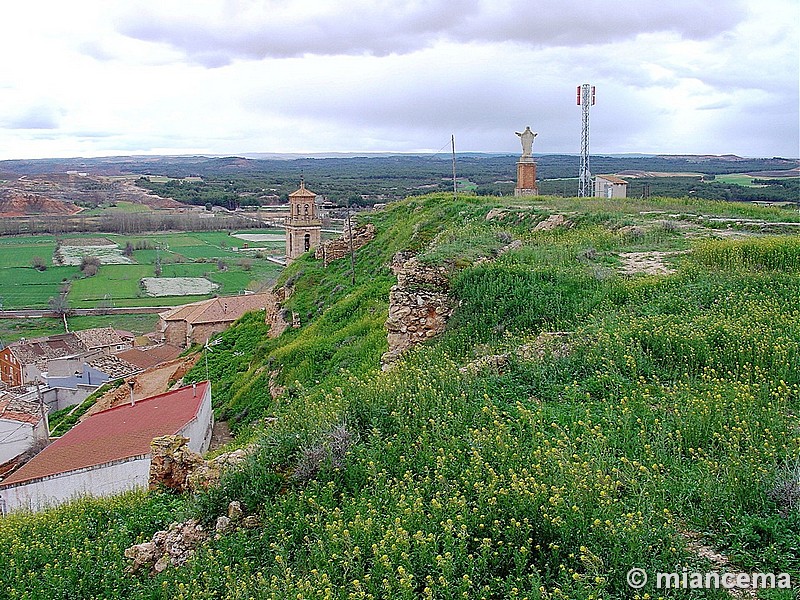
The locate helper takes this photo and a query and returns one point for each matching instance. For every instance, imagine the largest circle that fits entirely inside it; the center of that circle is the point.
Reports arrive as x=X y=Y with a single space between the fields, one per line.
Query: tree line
x=124 y=223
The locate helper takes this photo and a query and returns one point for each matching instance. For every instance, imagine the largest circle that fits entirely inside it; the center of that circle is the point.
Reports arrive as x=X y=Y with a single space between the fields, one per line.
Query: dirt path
x=150 y=382
x=649 y=263
x=220 y=435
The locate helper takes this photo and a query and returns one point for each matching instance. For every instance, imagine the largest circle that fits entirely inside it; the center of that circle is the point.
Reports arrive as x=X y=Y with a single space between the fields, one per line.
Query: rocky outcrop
x=495 y=213
x=171 y=463
x=340 y=247
x=552 y=222
x=557 y=344
x=275 y=389
x=176 y=545
x=276 y=316
x=419 y=306
x=172 y=547
x=177 y=467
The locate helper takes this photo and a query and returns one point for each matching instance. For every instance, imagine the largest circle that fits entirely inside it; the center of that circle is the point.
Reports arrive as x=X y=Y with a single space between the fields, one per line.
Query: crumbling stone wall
x=419 y=305
x=175 y=466
x=274 y=316
x=340 y=247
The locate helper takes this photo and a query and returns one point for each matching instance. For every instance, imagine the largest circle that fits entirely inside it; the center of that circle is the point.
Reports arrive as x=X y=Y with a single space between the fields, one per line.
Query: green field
x=19 y=252
x=213 y=255
x=25 y=287
x=14 y=329
x=739 y=179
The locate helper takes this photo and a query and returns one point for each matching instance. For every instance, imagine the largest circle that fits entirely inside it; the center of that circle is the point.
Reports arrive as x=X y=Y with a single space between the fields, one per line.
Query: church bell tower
x=303 y=227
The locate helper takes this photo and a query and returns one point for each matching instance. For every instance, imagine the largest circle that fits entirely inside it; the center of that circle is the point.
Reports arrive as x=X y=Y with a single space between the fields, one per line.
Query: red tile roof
x=218 y=310
x=14 y=408
x=39 y=350
x=150 y=356
x=114 y=434
x=99 y=337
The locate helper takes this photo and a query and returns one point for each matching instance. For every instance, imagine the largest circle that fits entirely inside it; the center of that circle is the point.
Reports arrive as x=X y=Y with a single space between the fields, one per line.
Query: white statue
x=526 y=137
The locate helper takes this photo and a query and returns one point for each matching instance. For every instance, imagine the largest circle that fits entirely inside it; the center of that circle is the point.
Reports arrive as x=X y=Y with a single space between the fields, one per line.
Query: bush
x=90 y=265
x=37 y=262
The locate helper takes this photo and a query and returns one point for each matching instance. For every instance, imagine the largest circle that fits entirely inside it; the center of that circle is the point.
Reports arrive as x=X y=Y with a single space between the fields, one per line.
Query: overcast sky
x=109 y=77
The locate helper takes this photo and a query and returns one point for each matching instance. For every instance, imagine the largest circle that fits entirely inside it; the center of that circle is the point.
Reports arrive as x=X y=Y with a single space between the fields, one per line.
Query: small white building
x=109 y=452
x=610 y=186
x=23 y=426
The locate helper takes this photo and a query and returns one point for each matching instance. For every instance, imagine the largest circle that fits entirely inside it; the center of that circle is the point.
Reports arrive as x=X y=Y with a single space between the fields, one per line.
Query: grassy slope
x=675 y=410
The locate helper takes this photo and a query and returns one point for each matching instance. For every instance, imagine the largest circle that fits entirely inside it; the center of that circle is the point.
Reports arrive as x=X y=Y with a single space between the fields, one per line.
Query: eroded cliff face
x=419 y=305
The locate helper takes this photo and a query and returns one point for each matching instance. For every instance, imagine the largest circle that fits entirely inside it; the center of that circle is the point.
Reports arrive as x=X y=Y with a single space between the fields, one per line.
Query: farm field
x=738 y=179
x=14 y=329
x=229 y=264
x=583 y=413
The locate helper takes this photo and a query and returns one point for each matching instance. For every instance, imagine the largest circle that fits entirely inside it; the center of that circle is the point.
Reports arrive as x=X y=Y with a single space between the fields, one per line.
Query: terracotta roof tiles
x=218 y=310
x=99 y=337
x=149 y=356
x=14 y=408
x=40 y=350
x=612 y=179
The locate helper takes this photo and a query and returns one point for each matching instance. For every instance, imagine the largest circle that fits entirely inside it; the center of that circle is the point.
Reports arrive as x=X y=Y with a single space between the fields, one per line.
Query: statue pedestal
x=526 y=178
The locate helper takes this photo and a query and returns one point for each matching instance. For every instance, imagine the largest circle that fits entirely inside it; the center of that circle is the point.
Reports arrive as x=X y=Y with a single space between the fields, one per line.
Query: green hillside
x=667 y=409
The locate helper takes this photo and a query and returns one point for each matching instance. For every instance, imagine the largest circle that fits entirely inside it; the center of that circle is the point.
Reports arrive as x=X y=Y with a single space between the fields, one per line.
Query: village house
x=22 y=362
x=104 y=339
x=23 y=426
x=71 y=380
x=195 y=323
x=146 y=357
x=109 y=452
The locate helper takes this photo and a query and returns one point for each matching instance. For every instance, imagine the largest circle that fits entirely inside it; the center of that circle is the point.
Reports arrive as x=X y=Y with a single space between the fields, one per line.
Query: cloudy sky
x=109 y=77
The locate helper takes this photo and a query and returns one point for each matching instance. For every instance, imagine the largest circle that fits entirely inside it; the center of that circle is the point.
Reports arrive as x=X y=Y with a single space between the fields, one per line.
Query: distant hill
x=550 y=165
x=234 y=181
x=16 y=203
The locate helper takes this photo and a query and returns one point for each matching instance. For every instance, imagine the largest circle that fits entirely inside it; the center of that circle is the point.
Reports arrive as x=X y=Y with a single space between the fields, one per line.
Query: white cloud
x=284 y=75
x=213 y=32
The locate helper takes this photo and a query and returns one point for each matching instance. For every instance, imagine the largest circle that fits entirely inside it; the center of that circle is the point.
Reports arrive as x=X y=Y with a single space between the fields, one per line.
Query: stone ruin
x=176 y=545
x=419 y=305
x=340 y=247
x=177 y=467
x=172 y=547
x=557 y=344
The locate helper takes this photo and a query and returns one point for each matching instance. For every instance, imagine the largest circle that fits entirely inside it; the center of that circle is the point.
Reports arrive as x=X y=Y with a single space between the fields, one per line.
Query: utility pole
x=352 y=251
x=455 y=185
x=586 y=98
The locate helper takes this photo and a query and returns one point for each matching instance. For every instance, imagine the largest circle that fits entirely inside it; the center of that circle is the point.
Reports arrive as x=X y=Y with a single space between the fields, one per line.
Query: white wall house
x=23 y=426
x=109 y=452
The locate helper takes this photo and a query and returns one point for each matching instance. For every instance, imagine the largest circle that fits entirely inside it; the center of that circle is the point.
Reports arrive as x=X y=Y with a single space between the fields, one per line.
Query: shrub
x=37 y=262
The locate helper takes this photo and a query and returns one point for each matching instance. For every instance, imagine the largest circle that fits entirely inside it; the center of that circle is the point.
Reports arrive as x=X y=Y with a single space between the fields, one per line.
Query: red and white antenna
x=585 y=99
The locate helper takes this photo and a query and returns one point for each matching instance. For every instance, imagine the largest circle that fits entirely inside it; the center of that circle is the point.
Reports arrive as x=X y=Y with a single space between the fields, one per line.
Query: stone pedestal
x=526 y=178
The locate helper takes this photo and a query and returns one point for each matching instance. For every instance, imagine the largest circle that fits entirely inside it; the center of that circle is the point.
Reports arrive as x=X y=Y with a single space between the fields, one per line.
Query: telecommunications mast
x=585 y=100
